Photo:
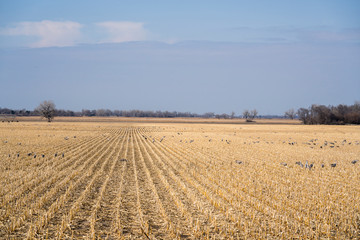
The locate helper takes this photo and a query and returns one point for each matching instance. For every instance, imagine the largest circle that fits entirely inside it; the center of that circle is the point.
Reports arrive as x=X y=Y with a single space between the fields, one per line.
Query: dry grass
x=168 y=180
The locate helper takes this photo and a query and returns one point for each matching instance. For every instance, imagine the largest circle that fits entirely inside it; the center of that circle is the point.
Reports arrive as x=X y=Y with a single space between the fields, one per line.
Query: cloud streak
x=49 y=33
x=123 y=31
x=328 y=35
x=283 y=34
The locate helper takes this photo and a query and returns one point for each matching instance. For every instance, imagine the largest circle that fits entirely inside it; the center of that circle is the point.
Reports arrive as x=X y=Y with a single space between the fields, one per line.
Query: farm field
x=141 y=180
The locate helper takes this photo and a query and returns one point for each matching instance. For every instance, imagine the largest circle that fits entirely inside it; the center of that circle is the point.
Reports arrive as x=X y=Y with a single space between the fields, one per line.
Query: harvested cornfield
x=111 y=180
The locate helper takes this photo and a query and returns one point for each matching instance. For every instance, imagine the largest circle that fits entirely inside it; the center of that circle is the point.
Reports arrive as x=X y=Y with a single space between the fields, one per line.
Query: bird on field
x=34 y=155
x=310 y=166
x=306 y=164
x=322 y=165
x=238 y=162
x=333 y=164
x=55 y=154
x=63 y=155
x=43 y=155
x=284 y=164
x=354 y=161
x=18 y=155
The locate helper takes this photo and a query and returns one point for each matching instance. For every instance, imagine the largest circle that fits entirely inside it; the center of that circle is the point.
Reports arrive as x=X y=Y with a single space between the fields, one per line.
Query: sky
x=189 y=56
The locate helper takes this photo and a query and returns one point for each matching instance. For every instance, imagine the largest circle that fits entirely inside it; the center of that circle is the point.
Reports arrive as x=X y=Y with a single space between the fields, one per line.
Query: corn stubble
x=112 y=180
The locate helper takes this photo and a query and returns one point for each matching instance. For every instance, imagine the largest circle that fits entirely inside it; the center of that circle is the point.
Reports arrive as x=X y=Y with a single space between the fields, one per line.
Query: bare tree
x=304 y=115
x=246 y=114
x=253 y=114
x=290 y=113
x=47 y=110
x=232 y=115
x=250 y=115
x=209 y=115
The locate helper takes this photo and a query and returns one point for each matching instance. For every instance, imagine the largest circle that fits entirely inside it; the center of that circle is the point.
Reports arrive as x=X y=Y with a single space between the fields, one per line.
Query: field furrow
x=102 y=216
x=54 y=165
x=130 y=225
x=190 y=206
x=61 y=208
x=139 y=180
x=232 y=200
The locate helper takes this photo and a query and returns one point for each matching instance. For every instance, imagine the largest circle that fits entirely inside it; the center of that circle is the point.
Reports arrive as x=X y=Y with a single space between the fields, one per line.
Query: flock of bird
x=34 y=155
x=306 y=165
x=310 y=166
x=314 y=142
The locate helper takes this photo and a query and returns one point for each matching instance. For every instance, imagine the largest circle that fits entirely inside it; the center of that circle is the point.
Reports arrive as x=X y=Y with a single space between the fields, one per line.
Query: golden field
x=139 y=179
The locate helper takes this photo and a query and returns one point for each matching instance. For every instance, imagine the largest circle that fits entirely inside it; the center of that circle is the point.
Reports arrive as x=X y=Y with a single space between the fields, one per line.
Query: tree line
x=316 y=114
x=47 y=110
x=321 y=114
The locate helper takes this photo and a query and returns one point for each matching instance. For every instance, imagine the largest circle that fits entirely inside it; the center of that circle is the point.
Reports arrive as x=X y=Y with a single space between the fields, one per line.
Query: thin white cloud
x=331 y=35
x=123 y=31
x=50 y=33
x=283 y=34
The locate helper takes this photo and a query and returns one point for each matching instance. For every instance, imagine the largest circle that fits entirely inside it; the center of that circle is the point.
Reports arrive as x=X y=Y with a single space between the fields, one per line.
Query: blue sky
x=197 y=56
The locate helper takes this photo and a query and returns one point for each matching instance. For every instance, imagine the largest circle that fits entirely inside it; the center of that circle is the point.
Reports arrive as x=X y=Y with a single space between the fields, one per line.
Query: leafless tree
x=246 y=114
x=290 y=113
x=253 y=113
x=304 y=115
x=47 y=110
x=209 y=115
